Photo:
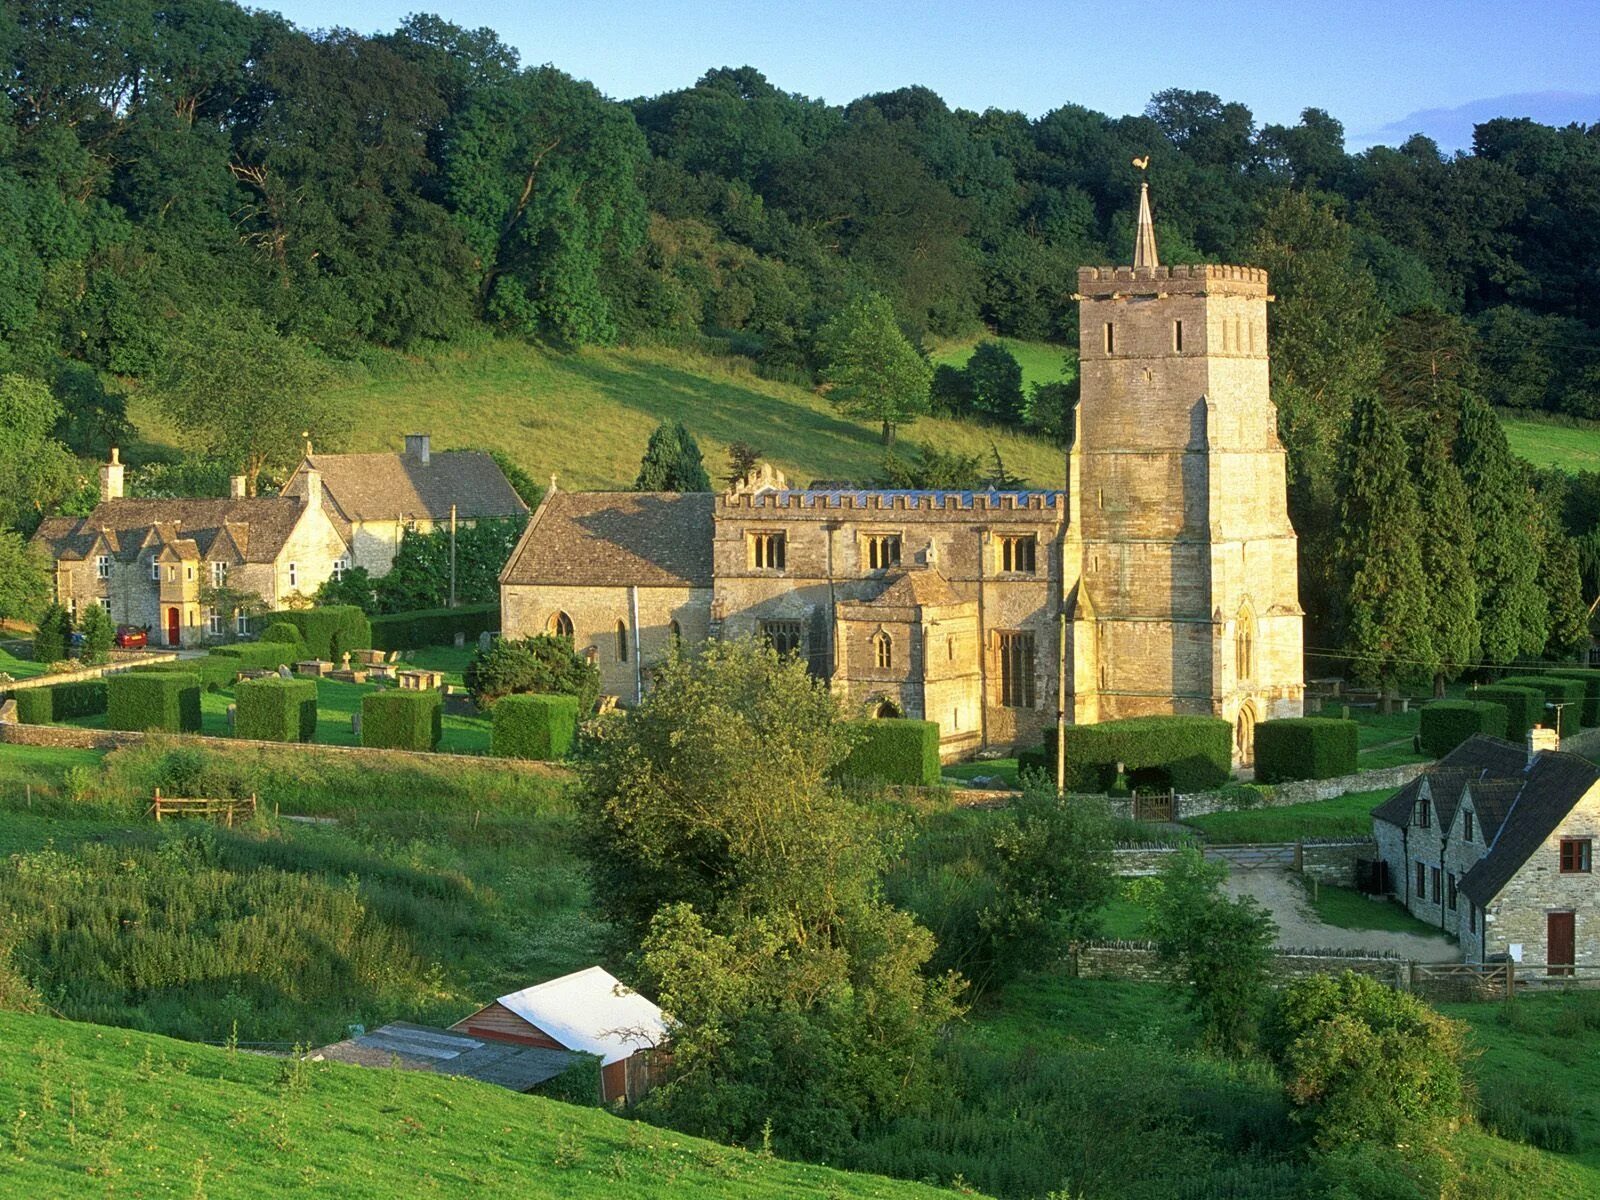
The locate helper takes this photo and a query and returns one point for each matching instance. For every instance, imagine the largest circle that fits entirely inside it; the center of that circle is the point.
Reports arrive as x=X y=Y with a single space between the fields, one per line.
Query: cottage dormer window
x=1424 y=813
x=155 y=570
x=219 y=576
x=102 y=566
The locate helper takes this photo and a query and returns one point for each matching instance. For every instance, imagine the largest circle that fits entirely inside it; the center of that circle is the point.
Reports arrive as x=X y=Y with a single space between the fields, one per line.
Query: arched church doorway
x=1244 y=734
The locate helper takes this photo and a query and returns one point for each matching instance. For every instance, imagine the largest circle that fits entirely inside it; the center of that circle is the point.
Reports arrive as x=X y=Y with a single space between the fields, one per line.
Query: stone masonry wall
x=1137 y=961
x=1335 y=862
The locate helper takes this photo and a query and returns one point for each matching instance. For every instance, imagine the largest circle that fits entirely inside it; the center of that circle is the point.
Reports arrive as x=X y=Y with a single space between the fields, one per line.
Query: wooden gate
x=1154 y=806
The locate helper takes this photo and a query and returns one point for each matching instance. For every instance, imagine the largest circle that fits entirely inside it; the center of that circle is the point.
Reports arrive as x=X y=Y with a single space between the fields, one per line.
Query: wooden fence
x=228 y=811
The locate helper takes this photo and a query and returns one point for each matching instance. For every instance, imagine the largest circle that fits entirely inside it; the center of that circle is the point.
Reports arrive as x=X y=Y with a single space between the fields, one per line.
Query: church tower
x=1187 y=599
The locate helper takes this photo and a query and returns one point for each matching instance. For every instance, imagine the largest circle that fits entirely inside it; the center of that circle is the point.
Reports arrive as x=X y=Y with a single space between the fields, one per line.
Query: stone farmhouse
x=1493 y=844
x=155 y=562
x=1160 y=579
x=373 y=499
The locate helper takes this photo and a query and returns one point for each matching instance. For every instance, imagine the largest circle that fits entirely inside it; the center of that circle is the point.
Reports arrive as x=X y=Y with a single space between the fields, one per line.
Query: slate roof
x=1477 y=758
x=614 y=539
x=260 y=525
x=833 y=496
x=384 y=487
x=591 y=1011
x=1553 y=784
x=444 y=1052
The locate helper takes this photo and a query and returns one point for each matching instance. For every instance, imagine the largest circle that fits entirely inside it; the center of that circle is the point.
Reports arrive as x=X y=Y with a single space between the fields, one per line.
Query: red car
x=132 y=637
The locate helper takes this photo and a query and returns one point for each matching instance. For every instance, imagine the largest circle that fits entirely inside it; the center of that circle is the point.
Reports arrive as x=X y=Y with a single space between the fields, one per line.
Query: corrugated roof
x=443 y=1052
x=127 y=523
x=617 y=539
x=591 y=1011
x=382 y=487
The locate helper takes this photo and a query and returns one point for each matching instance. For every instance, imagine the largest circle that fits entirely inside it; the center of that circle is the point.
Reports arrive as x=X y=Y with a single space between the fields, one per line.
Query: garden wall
x=1335 y=862
x=110 y=668
x=1137 y=961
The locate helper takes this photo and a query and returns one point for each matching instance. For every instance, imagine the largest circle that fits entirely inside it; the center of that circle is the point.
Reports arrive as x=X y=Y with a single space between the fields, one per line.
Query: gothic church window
x=1244 y=649
x=882 y=550
x=1019 y=553
x=786 y=637
x=1016 y=668
x=559 y=625
x=767 y=550
x=882 y=650
x=622 y=641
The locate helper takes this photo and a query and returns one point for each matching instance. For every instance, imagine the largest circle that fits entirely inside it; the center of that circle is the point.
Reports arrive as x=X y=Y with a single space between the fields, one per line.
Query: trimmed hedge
x=60 y=702
x=1524 y=706
x=1590 y=716
x=434 y=626
x=892 y=750
x=1189 y=754
x=532 y=726
x=260 y=655
x=215 y=672
x=282 y=631
x=1305 y=748
x=168 y=701
x=1556 y=690
x=329 y=631
x=397 y=719
x=1447 y=723
x=34 y=706
x=276 y=710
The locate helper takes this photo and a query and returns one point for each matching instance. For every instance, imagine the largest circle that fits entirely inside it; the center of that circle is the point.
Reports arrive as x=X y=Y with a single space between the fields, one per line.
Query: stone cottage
x=159 y=563
x=1493 y=844
x=373 y=499
x=1160 y=579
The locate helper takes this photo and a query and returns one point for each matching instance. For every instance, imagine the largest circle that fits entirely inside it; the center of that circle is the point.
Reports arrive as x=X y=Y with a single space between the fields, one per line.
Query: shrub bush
x=1524 y=706
x=530 y=726
x=1188 y=754
x=329 y=631
x=263 y=655
x=1590 y=714
x=162 y=700
x=284 y=632
x=401 y=720
x=893 y=750
x=1556 y=690
x=1305 y=748
x=433 y=626
x=276 y=710
x=34 y=706
x=1448 y=723
x=545 y=665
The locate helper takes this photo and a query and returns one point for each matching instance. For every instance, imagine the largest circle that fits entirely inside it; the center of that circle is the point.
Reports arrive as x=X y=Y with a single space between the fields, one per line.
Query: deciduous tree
x=870 y=369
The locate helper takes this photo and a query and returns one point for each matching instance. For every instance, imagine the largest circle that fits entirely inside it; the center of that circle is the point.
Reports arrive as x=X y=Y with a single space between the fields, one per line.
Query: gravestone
x=232 y=709
x=355 y=724
x=461 y=639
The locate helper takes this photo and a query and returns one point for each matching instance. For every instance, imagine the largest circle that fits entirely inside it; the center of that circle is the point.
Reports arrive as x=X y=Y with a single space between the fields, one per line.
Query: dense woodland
x=193 y=194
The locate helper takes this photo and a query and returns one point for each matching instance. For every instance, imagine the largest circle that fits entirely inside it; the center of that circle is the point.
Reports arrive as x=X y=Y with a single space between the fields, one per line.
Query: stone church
x=1161 y=579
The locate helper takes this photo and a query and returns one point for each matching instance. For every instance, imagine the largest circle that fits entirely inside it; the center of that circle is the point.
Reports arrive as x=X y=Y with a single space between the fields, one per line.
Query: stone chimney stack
x=1540 y=738
x=313 y=489
x=418 y=446
x=111 y=478
x=236 y=486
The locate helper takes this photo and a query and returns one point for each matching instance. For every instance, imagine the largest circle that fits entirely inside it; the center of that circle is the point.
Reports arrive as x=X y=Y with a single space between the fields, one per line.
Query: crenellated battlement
x=892 y=500
x=1107 y=282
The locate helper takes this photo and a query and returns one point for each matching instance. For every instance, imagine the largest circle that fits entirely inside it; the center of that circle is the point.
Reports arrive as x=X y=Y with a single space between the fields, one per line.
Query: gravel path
x=1299 y=926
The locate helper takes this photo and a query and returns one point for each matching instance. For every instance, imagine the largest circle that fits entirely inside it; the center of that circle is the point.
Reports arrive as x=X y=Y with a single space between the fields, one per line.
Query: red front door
x=1559 y=941
x=172 y=627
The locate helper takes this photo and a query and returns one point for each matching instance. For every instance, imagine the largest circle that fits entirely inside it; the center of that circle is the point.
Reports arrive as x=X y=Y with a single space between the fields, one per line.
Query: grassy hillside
x=91 y=1110
x=1547 y=443
x=585 y=416
x=1040 y=361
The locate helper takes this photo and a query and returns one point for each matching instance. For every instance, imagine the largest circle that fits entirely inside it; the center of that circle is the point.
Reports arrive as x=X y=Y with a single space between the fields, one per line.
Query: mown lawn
x=1344 y=816
x=1574 y=447
x=1349 y=909
x=19 y=668
x=1041 y=362
x=1003 y=769
x=586 y=415
x=92 y=1110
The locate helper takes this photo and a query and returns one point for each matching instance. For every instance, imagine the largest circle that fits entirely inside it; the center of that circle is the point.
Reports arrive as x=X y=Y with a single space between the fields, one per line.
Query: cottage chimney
x=1540 y=738
x=236 y=486
x=111 y=478
x=313 y=488
x=418 y=447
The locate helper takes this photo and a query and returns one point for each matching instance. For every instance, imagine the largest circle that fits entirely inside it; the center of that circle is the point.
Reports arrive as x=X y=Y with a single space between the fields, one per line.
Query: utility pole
x=452 y=556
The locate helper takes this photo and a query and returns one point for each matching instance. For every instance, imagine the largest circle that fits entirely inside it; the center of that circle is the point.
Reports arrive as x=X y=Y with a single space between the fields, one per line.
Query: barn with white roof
x=590 y=1012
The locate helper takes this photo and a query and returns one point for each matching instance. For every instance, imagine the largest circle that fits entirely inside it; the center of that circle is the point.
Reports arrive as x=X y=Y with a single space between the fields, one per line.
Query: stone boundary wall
x=110 y=668
x=70 y=736
x=1133 y=861
x=1302 y=791
x=1335 y=862
x=1137 y=961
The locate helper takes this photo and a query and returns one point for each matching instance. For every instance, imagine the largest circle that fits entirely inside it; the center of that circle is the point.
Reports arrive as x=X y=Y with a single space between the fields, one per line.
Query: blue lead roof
x=935 y=497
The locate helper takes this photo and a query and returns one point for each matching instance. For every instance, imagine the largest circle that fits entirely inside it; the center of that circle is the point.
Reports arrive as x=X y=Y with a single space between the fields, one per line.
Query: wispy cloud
x=1452 y=127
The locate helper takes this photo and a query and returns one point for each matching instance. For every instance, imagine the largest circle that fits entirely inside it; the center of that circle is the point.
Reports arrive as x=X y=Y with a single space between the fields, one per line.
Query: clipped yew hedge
x=1305 y=748
x=434 y=626
x=1186 y=753
x=60 y=701
x=329 y=631
x=1590 y=716
x=399 y=719
x=533 y=726
x=275 y=710
x=1524 y=706
x=1556 y=690
x=167 y=701
x=893 y=750
x=1445 y=724
x=283 y=631
x=34 y=706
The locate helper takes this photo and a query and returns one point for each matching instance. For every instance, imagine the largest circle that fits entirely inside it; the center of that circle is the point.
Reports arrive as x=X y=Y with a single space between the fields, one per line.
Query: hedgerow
x=1445 y=724
x=1186 y=753
x=433 y=627
x=1524 y=706
x=398 y=719
x=276 y=710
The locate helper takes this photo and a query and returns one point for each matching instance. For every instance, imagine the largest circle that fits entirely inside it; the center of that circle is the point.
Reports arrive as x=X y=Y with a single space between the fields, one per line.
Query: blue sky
x=1384 y=69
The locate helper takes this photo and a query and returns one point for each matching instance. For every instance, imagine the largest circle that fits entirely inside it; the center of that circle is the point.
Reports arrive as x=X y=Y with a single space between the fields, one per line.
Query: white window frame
x=102 y=566
x=219 y=574
x=105 y=604
x=213 y=622
x=340 y=566
x=155 y=571
x=241 y=622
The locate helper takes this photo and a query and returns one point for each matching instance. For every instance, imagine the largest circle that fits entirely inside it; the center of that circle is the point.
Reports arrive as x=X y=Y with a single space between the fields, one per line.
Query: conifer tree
x=672 y=462
x=1512 y=611
x=1385 y=593
x=1447 y=544
x=1567 y=621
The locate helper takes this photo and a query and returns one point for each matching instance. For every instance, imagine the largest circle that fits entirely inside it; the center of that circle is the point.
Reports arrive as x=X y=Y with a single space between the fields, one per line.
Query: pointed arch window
x=559 y=625
x=882 y=650
x=1244 y=645
x=674 y=631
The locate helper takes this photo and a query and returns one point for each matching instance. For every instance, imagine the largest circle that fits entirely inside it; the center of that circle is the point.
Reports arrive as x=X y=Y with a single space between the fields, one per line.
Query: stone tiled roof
x=614 y=539
x=922 y=587
x=1554 y=783
x=126 y=524
x=1477 y=758
x=384 y=487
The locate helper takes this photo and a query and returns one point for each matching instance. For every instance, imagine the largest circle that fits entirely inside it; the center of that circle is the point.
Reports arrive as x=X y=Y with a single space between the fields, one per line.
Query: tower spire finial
x=1144 y=242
